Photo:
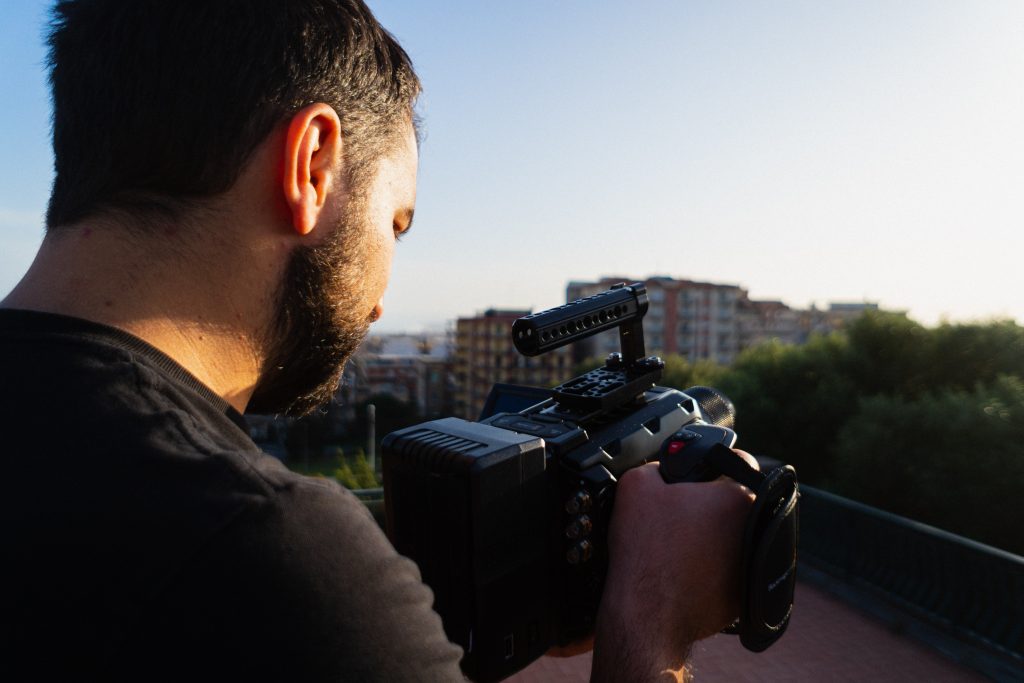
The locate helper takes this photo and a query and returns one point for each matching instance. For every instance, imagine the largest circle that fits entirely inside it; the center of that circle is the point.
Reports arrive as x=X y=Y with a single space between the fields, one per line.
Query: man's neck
x=197 y=313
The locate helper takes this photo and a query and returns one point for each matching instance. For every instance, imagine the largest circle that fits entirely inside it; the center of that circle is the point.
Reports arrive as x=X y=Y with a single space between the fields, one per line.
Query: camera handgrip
x=771 y=533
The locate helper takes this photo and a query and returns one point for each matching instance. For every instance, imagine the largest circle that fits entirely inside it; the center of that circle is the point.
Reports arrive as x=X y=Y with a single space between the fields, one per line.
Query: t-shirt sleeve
x=306 y=587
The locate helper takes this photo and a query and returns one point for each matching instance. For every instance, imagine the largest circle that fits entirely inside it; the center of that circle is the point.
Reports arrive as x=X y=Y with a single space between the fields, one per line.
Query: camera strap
x=769 y=547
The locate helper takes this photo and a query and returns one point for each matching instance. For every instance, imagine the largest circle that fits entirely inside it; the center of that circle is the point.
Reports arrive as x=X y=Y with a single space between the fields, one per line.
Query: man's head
x=161 y=105
x=158 y=104
x=331 y=291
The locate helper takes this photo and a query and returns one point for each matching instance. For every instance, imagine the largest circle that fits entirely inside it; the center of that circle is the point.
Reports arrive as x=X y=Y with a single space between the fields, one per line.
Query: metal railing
x=972 y=591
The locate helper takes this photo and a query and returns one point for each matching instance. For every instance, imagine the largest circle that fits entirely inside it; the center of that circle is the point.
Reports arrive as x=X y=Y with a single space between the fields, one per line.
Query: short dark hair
x=160 y=103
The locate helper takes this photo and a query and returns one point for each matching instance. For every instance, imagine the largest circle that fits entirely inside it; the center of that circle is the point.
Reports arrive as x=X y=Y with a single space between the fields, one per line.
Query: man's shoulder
x=292 y=501
x=67 y=368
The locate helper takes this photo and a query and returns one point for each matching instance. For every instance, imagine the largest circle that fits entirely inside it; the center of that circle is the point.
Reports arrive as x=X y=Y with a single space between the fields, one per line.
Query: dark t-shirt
x=145 y=537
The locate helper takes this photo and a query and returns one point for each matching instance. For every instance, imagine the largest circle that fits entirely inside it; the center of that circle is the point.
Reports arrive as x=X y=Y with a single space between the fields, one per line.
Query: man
x=231 y=177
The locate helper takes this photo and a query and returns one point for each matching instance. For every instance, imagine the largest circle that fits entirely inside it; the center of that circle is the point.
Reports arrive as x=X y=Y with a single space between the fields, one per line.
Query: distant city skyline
x=806 y=152
x=447 y=325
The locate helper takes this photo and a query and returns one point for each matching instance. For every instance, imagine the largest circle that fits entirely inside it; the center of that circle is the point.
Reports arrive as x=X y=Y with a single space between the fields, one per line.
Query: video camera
x=507 y=517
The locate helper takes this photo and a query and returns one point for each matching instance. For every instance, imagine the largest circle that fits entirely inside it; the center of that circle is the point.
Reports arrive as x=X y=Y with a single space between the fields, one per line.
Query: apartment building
x=697 y=320
x=710 y=321
x=484 y=355
x=413 y=368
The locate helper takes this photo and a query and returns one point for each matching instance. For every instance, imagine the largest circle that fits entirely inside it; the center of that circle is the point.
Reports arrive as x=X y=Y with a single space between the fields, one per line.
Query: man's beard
x=318 y=322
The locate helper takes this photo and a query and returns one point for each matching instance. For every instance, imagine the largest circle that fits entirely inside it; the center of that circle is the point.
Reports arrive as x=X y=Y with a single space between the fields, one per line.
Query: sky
x=852 y=150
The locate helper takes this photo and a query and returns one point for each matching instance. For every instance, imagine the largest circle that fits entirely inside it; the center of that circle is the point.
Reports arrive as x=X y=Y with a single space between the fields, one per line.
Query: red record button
x=675 y=446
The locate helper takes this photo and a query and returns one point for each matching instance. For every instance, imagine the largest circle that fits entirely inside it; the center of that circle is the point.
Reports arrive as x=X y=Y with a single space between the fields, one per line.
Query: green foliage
x=886 y=354
x=953 y=459
x=792 y=401
x=893 y=355
x=960 y=356
x=680 y=373
x=344 y=474
x=365 y=476
x=355 y=472
x=927 y=423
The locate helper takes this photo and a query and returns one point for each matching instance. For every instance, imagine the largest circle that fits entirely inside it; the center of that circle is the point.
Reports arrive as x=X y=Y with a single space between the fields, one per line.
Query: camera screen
x=512 y=398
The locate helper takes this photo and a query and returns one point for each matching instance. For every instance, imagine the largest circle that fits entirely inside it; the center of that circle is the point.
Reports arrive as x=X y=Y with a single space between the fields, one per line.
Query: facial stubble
x=319 y=320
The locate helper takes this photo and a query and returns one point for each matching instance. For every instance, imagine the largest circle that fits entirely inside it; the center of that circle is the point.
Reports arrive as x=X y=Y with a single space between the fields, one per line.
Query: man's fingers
x=685 y=541
x=751 y=460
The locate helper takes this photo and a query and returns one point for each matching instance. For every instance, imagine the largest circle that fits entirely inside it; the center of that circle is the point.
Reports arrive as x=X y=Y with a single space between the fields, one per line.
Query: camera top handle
x=625 y=375
x=622 y=306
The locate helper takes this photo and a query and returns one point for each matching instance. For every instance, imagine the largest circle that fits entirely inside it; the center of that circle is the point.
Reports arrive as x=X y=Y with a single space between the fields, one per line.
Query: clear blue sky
x=808 y=151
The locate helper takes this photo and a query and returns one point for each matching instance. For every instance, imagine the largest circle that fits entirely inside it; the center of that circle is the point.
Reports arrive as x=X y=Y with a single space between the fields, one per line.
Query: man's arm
x=673 y=577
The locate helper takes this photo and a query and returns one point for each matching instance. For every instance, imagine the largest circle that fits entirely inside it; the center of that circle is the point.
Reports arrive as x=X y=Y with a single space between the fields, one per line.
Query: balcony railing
x=968 y=591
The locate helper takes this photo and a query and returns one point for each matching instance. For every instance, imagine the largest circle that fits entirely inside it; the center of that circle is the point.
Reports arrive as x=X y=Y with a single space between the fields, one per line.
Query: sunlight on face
x=331 y=292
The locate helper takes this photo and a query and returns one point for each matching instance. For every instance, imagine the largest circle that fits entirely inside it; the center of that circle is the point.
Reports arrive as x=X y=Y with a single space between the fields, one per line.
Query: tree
x=344 y=474
x=953 y=459
x=887 y=354
x=960 y=356
x=681 y=374
x=791 y=401
x=366 y=478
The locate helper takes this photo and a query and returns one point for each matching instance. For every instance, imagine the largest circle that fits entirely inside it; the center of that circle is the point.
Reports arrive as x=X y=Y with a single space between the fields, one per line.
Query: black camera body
x=507 y=518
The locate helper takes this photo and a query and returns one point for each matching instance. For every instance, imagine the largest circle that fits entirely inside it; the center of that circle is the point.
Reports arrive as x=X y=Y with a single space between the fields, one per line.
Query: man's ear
x=312 y=156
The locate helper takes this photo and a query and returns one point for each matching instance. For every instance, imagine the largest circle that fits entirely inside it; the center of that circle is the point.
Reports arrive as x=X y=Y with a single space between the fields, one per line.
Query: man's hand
x=673 y=575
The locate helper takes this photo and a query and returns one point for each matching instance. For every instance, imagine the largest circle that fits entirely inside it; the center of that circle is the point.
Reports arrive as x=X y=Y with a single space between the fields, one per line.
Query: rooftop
x=827 y=640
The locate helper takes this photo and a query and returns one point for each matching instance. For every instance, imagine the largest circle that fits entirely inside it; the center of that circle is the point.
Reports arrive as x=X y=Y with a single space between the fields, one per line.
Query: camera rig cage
x=507 y=517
